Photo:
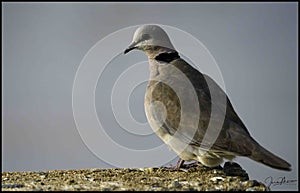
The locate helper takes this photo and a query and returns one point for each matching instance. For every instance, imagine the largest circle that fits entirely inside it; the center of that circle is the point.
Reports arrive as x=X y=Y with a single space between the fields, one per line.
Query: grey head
x=149 y=36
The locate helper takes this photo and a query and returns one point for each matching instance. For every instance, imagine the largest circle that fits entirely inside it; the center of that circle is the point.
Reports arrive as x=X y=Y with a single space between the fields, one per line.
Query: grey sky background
x=254 y=44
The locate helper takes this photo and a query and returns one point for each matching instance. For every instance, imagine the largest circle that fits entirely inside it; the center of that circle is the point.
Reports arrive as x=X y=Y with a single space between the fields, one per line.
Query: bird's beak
x=132 y=46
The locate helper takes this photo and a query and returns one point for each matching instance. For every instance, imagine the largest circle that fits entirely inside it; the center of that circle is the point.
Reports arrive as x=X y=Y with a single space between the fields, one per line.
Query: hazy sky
x=255 y=46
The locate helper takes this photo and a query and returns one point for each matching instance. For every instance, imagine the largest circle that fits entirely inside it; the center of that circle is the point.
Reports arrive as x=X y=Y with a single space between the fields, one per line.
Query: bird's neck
x=160 y=59
x=154 y=51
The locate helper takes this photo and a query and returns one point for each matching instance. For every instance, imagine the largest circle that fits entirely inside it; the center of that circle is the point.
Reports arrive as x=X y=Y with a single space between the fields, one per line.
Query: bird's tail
x=262 y=155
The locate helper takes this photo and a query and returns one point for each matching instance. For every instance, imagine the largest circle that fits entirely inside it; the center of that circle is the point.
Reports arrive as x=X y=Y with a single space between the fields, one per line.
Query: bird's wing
x=233 y=129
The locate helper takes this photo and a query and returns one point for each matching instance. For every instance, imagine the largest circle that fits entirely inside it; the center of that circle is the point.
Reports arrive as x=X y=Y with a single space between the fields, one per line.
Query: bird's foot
x=178 y=166
x=183 y=167
x=187 y=167
x=193 y=164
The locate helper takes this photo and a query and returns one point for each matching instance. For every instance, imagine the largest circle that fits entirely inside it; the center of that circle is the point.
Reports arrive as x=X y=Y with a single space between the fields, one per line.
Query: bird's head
x=149 y=38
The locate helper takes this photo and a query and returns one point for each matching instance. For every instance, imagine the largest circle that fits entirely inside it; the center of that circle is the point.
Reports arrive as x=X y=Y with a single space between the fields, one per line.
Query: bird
x=189 y=111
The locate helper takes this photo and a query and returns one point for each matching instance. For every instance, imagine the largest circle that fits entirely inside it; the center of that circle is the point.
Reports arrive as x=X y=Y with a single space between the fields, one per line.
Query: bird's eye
x=145 y=36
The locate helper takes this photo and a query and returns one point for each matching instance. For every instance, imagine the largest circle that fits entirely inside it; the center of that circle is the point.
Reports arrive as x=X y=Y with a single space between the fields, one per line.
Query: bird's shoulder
x=210 y=92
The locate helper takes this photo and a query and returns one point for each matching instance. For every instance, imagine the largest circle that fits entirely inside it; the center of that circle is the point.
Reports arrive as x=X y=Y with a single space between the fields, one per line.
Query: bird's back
x=230 y=136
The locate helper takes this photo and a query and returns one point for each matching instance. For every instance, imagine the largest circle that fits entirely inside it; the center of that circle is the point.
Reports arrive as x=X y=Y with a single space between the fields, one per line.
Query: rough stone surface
x=154 y=179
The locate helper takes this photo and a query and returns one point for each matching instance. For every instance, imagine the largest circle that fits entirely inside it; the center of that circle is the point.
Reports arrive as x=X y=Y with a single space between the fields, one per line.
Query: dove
x=189 y=111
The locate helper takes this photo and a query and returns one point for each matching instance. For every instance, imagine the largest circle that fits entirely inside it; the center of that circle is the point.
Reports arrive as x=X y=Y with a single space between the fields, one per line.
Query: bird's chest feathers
x=158 y=69
x=169 y=101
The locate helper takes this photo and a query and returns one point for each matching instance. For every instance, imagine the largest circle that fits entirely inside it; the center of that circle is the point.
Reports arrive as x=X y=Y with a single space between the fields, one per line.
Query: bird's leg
x=179 y=163
x=196 y=163
x=179 y=166
x=184 y=167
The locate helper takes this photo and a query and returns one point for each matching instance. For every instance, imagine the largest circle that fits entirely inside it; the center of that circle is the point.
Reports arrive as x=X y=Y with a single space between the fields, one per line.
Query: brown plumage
x=181 y=103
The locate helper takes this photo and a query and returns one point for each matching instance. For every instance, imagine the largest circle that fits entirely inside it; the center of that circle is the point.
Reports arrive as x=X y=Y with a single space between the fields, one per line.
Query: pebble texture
x=197 y=178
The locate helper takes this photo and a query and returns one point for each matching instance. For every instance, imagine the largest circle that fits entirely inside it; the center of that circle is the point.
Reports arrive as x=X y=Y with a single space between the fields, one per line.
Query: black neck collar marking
x=167 y=57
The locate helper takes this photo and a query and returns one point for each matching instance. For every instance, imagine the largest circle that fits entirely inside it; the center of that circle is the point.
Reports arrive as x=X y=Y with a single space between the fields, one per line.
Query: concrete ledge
x=154 y=179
